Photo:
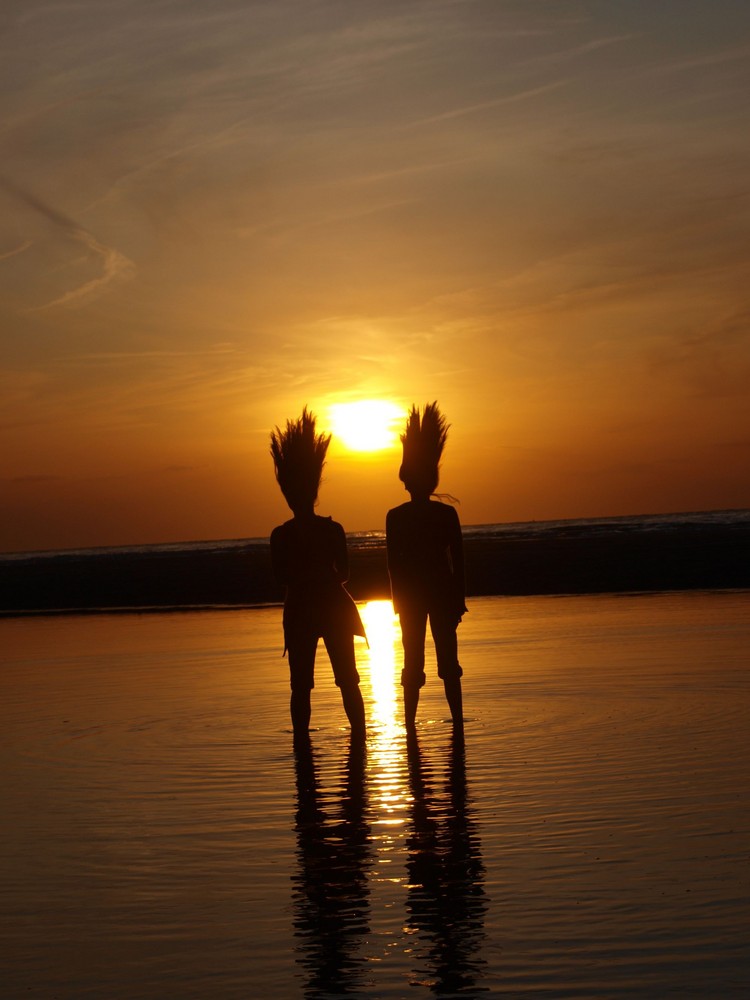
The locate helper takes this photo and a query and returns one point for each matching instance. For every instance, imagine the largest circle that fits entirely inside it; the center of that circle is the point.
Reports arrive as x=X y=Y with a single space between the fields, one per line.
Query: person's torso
x=420 y=537
x=310 y=554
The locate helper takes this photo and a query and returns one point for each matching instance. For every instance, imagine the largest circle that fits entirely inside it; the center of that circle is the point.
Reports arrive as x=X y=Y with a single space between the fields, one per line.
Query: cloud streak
x=497 y=102
x=115 y=265
x=16 y=250
x=739 y=54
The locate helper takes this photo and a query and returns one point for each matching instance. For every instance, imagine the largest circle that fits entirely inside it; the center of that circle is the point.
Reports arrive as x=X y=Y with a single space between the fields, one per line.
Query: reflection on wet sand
x=394 y=816
x=331 y=893
x=148 y=838
x=446 y=902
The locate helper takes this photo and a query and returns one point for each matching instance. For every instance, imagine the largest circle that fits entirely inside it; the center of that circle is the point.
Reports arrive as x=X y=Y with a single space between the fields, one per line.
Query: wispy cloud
x=740 y=53
x=496 y=102
x=115 y=265
x=16 y=250
x=584 y=49
x=410 y=171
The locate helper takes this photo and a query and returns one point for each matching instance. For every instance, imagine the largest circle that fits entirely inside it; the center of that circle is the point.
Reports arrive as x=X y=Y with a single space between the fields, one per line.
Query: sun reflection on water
x=381 y=625
x=386 y=760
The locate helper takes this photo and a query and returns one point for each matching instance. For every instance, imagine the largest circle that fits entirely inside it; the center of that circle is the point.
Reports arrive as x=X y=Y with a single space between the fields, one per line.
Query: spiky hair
x=423 y=441
x=299 y=455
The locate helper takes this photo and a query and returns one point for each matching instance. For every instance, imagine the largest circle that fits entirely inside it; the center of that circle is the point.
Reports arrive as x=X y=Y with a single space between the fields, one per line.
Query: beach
x=589 y=839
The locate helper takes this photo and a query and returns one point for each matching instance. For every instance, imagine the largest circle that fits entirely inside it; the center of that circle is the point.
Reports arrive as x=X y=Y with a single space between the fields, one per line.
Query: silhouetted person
x=309 y=557
x=426 y=564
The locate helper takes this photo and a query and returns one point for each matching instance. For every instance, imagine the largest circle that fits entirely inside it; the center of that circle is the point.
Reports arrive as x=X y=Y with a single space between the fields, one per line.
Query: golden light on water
x=390 y=794
x=366 y=425
x=384 y=638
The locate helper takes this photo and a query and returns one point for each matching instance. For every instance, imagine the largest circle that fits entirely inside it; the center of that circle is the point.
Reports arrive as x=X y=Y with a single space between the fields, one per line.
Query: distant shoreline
x=706 y=556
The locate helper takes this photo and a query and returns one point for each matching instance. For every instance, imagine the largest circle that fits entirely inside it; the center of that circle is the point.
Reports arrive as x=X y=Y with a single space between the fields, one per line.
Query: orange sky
x=212 y=215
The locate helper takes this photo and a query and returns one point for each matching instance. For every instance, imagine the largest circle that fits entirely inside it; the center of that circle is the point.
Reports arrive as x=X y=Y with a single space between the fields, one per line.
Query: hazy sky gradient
x=213 y=214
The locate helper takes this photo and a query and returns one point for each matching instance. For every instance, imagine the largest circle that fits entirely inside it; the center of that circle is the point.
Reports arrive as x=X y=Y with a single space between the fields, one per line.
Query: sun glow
x=367 y=425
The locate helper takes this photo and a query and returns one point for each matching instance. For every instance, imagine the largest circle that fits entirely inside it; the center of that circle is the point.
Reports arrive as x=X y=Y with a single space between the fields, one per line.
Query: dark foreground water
x=160 y=838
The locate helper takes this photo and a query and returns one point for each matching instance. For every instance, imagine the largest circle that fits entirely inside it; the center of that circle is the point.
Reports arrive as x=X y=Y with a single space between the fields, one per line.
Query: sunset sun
x=367 y=425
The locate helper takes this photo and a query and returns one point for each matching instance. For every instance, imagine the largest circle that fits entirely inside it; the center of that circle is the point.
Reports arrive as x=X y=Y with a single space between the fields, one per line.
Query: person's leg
x=449 y=669
x=354 y=707
x=301 y=672
x=455 y=698
x=300 y=708
x=411 y=704
x=341 y=652
x=413 y=631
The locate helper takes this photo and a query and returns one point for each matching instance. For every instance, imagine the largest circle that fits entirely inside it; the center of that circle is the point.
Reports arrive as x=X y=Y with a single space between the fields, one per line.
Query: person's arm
x=456 y=547
x=392 y=547
x=340 y=553
x=394 y=556
x=279 y=557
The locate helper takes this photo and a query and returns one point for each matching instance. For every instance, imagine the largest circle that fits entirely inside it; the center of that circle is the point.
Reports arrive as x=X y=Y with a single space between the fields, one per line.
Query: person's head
x=423 y=441
x=298 y=457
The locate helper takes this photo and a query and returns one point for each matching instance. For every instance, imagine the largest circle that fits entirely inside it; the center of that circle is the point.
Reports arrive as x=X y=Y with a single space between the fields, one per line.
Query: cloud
x=721 y=58
x=593 y=45
x=711 y=359
x=115 y=265
x=523 y=95
x=16 y=250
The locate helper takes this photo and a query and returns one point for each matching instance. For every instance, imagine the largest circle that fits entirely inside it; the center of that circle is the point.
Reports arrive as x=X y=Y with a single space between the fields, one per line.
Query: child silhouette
x=426 y=565
x=309 y=557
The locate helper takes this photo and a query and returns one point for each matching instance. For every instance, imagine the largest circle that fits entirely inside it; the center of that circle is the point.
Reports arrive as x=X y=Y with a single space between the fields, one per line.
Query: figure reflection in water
x=331 y=894
x=426 y=564
x=446 y=901
x=309 y=557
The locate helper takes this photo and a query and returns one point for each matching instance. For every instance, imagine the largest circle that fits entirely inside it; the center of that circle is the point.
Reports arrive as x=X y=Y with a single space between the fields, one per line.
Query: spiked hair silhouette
x=299 y=455
x=423 y=441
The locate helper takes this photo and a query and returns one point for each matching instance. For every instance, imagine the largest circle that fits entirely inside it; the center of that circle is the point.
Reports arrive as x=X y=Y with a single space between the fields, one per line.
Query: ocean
x=628 y=525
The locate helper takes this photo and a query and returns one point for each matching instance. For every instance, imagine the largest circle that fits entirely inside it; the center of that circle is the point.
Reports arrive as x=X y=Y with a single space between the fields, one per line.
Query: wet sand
x=161 y=839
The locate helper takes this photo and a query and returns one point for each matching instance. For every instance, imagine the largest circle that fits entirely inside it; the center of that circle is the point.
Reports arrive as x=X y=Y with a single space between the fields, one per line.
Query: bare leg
x=341 y=652
x=446 y=648
x=413 y=630
x=300 y=709
x=354 y=707
x=411 y=701
x=301 y=669
x=454 y=695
